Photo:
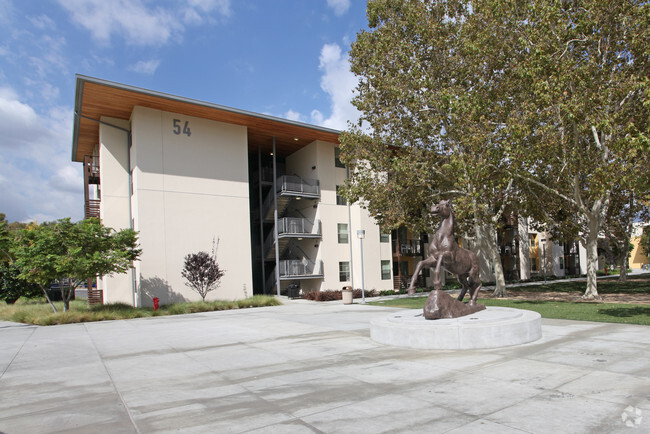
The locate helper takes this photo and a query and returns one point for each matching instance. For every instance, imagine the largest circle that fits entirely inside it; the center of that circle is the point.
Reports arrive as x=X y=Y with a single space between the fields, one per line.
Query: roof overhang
x=96 y=98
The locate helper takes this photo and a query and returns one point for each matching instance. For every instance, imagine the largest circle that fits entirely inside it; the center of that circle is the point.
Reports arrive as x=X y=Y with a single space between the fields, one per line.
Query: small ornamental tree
x=202 y=272
x=69 y=253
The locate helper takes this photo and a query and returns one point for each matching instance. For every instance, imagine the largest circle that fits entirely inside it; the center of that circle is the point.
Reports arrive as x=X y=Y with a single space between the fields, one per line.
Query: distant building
x=638 y=258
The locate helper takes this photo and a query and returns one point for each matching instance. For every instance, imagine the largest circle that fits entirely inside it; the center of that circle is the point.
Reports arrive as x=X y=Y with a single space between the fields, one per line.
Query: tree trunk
x=486 y=235
x=47 y=297
x=592 y=259
x=524 y=249
x=625 y=252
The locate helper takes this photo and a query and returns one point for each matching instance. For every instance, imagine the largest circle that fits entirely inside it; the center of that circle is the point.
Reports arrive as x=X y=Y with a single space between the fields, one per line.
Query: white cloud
x=340 y=6
x=37 y=179
x=339 y=83
x=148 y=67
x=43 y=22
x=18 y=121
x=140 y=22
x=197 y=11
x=293 y=116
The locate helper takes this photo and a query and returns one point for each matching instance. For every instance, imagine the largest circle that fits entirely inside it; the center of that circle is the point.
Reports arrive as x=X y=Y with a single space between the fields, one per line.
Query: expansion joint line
x=108 y=372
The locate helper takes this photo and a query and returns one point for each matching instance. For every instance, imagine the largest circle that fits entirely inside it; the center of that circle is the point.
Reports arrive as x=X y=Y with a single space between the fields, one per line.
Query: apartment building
x=639 y=258
x=186 y=174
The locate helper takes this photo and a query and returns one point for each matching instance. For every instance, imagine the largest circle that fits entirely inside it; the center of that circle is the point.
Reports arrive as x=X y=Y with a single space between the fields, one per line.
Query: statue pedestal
x=493 y=327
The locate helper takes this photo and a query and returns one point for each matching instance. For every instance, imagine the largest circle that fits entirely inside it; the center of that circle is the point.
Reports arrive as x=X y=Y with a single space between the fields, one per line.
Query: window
x=384 y=238
x=337 y=158
x=340 y=200
x=344 y=271
x=532 y=241
x=343 y=233
x=533 y=264
x=561 y=263
x=385 y=270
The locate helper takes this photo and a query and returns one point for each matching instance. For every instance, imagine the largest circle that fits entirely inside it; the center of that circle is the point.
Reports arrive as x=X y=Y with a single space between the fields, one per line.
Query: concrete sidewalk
x=309 y=367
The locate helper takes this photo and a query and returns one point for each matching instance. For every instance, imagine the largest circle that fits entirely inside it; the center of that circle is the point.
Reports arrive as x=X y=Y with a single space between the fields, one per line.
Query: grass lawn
x=637 y=284
x=601 y=312
x=584 y=311
x=39 y=312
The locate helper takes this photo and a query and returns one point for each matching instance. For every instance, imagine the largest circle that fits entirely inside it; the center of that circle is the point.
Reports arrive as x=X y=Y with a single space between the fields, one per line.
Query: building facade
x=191 y=176
x=188 y=175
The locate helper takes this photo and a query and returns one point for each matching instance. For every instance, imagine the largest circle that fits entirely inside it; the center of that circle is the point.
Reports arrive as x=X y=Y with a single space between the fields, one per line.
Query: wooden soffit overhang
x=96 y=98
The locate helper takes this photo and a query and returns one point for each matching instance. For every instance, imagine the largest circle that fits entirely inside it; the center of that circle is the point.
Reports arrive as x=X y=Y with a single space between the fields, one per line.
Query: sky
x=285 y=58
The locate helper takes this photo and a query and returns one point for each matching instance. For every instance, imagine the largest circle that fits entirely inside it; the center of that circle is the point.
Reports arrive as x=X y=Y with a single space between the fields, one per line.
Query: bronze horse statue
x=444 y=252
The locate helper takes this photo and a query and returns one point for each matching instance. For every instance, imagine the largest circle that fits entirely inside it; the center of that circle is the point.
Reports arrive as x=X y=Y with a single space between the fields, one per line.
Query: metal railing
x=91 y=208
x=408 y=248
x=297 y=226
x=91 y=168
x=300 y=268
x=296 y=184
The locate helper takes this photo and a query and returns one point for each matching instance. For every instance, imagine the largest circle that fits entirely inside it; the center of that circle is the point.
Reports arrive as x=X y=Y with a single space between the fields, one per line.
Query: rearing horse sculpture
x=444 y=252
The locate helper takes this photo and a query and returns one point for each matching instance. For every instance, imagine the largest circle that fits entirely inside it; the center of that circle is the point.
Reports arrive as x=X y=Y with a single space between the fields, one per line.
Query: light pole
x=361 y=234
x=544 y=256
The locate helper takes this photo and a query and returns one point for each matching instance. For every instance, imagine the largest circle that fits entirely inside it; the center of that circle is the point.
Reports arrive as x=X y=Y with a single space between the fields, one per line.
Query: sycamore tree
x=434 y=90
x=580 y=130
x=625 y=207
x=70 y=253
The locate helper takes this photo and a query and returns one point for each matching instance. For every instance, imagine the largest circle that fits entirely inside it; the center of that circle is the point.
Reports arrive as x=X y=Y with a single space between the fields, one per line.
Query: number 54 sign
x=185 y=127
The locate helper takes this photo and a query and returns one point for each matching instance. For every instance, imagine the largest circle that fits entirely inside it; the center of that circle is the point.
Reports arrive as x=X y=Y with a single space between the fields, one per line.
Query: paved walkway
x=309 y=367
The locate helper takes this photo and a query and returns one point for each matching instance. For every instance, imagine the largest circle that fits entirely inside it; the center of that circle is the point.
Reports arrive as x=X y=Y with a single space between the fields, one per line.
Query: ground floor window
x=344 y=271
x=385 y=270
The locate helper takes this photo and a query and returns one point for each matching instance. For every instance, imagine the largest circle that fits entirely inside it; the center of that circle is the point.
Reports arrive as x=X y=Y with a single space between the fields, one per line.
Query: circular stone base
x=490 y=328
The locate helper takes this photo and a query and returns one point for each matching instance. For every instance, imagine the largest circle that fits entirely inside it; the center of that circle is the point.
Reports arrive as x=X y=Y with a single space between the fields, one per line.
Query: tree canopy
x=70 y=253
x=514 y=104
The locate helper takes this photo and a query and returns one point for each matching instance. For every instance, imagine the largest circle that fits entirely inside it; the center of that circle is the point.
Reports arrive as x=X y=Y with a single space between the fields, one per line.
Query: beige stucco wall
x=114 y=208
x=638 y=258
x=316 y=161
x=189 y=190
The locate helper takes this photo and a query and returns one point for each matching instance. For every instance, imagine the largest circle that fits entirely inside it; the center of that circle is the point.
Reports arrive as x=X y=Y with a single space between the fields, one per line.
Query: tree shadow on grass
x=625 y=312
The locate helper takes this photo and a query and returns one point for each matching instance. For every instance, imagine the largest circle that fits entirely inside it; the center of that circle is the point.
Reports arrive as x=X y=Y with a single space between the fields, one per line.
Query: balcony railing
x=296 y=268
x=298 y=186
x=91 y=169
x=298 y=226
x=92 y=208
x=408 y=248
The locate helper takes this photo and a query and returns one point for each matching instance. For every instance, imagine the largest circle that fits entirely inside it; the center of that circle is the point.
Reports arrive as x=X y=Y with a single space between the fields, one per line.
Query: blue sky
x=286 y=58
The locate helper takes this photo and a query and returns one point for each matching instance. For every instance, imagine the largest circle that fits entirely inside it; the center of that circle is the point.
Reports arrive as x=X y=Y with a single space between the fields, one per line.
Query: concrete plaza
x=308 y=367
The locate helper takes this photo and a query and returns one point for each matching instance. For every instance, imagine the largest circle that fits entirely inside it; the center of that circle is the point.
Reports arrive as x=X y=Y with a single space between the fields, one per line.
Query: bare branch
x=584 y=39
x=547 y=188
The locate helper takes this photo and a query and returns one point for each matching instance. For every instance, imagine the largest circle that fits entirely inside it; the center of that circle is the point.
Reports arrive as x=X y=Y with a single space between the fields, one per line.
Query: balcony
x=298 y=227
x=91 y=208
x=91 y=177
x=297 y=186
x=408 y=248
x=300 y=269
x=91 y=169
x=290 y=229
x=289 y=188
